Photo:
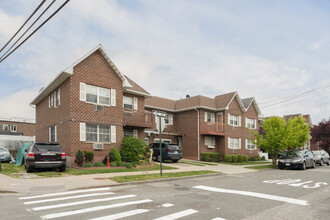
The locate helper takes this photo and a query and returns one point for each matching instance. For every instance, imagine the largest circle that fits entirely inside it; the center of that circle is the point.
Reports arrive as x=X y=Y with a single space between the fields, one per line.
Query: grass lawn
x=247 y=163
x=8 y=169
x=262 y=167
x=197 y=163
x=131 y=178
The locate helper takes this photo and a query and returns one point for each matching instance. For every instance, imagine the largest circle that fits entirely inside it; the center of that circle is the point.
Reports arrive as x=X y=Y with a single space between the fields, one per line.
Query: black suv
x=169 y=152
x=44 y=155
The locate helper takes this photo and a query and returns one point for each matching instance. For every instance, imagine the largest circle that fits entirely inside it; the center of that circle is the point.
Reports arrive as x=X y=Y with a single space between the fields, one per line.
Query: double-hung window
x=97 y=133
x=234 y=120
x=96 y=95
x=249 y=145
x=209 y=117
x=250 y=123
x=52 y=134
x=210 y=141
x=128 y=102
x=13 y=128
x=169 y=119
x=234 y=143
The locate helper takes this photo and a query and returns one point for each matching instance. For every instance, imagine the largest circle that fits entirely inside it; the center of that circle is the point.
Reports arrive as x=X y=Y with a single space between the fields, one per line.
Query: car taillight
x=31 y=155
x=169 y=150
x=63 y=156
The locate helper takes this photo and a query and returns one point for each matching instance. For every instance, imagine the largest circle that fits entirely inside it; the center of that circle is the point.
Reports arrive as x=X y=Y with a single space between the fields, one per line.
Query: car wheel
x=62 y=169
x=174 y=161
x=303 y=166
x=322 y=162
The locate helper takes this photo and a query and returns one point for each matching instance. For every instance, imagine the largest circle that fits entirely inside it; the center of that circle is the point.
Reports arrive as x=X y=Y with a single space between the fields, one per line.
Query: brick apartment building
x=202 y=124
x=92 y=106
x=14 y=131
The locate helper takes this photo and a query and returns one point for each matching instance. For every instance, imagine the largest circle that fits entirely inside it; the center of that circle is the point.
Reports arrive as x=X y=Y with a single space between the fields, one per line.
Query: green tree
x=278 y=134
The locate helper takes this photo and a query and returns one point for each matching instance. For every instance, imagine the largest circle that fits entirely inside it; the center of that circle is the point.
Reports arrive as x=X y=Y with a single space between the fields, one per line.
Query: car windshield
x=45 y=148
x=292 y=154
x=173 y=147
x=316 y=152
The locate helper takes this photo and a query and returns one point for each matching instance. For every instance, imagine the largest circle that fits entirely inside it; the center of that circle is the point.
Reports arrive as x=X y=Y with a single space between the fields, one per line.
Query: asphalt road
x=267 y=194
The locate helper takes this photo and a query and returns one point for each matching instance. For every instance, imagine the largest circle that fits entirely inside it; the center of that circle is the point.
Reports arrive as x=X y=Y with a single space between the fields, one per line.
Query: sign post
x=160 y=115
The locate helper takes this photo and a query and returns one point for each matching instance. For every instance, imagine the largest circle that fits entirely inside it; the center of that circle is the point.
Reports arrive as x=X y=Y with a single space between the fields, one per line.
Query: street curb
x=155 y=180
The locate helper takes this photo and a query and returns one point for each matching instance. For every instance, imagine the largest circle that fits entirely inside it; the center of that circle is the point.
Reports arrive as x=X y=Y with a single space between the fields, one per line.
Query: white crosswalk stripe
x=122 y=214
x=178 y=215
x=81 y=202
x=68 y=197
x=92 y=209
x=66 y=193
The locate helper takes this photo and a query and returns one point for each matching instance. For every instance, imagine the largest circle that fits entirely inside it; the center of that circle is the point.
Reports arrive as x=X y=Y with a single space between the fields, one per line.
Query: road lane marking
x=254 y=194
x=218 y=218
x=122 y=214
x=66 y=193
x=166 y=205
x=178 y=215
x=92 y=209
x=68 y=197
x=81 y=202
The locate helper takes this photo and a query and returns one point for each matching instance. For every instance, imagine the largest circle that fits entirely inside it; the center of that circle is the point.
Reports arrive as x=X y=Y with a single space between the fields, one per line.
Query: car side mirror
x=26 y=150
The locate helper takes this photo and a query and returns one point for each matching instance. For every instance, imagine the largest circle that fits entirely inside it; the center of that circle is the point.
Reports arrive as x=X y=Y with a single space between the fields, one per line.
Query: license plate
x=287 y=164
x=175 y=152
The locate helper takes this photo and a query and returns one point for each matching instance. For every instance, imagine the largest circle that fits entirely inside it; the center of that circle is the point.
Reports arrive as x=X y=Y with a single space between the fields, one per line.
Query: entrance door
x=180 y=142
x=220 y=121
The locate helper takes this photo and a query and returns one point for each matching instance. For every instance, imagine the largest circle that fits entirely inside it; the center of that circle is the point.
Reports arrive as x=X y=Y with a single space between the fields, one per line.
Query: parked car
x=44 y=155
x=169 y=152
x=4 y=155
x=297 y=159
x=321 y=157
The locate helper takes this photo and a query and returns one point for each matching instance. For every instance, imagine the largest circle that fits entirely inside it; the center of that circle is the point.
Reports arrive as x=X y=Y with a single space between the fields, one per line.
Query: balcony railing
x=138 y=118
x=212 y=128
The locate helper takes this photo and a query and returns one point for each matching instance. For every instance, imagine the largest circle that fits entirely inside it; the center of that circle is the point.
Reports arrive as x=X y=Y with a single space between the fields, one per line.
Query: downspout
x=198 y=145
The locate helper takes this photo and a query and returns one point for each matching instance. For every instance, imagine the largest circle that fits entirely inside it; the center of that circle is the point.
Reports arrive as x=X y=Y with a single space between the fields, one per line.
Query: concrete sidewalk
x=53 y=184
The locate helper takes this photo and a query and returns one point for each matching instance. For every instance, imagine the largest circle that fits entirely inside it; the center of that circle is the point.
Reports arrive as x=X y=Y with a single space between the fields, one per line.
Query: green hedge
x=228 y=158
x=133 y=149
x=236 y=158
x=211 y=157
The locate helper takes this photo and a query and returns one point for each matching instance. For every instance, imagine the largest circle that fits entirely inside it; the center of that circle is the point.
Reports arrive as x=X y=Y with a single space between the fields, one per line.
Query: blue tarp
x=20 y=153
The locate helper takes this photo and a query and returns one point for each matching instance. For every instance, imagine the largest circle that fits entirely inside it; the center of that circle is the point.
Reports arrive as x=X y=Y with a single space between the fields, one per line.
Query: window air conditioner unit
x=98 y=146
x=98 y=108
x=234 y=151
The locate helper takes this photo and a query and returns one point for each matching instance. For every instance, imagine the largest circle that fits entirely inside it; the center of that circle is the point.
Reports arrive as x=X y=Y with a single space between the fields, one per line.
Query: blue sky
x=272 y=50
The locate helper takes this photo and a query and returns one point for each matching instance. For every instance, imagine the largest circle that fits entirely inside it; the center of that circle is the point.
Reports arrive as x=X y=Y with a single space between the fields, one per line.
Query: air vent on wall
x=98 y=108
x=98 y=146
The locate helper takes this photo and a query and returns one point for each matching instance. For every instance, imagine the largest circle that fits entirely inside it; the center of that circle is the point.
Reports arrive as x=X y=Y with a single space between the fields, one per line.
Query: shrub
x=79 y=158
x=113 y=164
x=87 y=165
x=114 y=155
x=99 y=164
x=228 y=158
x=234 y=158
x=123 y=156
x=240 y=158
x=211 y=157
x=245 y=158
x=134 y=163
x=121 y=164
x=105 y=161
x=128 y=165
x=263 y=158
x=133 y=149
x=256 y=158
x=89 y=156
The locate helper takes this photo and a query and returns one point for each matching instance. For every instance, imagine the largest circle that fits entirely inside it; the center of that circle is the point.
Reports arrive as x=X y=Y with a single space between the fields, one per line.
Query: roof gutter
x=198 y=144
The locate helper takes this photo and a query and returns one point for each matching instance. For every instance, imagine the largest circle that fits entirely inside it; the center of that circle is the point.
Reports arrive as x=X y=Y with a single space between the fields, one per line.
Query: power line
x=27 y=29
x=36 y=29
x=23 y=24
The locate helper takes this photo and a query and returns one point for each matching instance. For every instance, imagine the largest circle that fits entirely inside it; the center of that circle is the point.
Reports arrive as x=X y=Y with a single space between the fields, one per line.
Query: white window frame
x=83 y=94
x=13 y=128
x=249 y=145
x=232 y=143
x=234 y=118
x=126 y=98
x=57 y=98
x=98 y=134
x=146 y=140
x=53 y=129
x=3 y=127
x=157 y=140
x=209 y=141
x=209 y=117
x=250 y=123
x=169 y=119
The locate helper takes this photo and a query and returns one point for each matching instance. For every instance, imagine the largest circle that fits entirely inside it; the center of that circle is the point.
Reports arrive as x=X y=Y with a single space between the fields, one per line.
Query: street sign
x=159 y=114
